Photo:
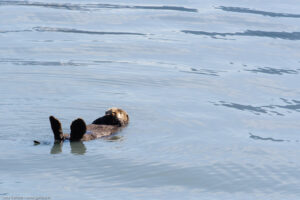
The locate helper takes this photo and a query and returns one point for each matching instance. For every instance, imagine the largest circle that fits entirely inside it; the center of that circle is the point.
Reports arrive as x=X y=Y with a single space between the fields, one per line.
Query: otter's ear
x=78 y=129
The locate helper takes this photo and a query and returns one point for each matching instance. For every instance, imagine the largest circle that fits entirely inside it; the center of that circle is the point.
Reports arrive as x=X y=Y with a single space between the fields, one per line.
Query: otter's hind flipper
x=78 y=129
x=56 y=128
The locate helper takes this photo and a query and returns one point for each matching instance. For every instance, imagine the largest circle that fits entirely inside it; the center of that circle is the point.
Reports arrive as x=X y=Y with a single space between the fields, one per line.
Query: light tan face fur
x=119 y=113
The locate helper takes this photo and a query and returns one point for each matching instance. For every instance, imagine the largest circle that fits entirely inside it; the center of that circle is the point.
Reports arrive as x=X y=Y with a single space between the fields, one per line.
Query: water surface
x=211 y=88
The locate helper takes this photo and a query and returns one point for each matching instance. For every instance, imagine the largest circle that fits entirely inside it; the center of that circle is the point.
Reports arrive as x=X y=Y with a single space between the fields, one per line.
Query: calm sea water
x=211 y=88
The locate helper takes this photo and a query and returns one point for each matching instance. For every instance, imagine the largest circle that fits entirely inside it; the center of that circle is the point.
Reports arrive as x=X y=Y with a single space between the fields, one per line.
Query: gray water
x=211 y=88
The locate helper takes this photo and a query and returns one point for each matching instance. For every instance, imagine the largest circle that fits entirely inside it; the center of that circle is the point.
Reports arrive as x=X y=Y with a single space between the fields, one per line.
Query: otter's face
x=119 y=114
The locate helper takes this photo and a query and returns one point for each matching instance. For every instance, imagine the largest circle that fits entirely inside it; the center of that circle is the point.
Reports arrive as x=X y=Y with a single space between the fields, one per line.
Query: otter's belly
x=99 y=131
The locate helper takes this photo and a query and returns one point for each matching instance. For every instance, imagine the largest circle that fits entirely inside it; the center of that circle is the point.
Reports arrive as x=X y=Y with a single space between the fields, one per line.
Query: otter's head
x=119 y=115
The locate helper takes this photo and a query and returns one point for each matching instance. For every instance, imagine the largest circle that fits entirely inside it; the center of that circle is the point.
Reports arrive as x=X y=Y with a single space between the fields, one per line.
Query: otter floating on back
x=113 y=120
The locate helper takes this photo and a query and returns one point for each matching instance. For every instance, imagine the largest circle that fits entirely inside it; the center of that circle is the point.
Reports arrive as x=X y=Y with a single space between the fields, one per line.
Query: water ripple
x=227 y=176
x=40 y=4
x=256 y=137
x=66 y=30
x=292 y=105
x=90 y=7
x=208 y=72
x=258 y=12
x=273 y=71
x=254 y=109
x=15 y=31
x=271 y=34
x=42 y=63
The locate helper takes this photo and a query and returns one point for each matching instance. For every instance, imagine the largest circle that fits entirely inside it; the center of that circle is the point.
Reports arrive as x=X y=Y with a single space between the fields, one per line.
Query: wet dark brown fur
x=113 y=120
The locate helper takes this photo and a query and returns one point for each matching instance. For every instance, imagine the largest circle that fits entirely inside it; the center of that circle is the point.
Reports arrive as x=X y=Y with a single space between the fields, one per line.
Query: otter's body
x=113 y=120
x=94 y=131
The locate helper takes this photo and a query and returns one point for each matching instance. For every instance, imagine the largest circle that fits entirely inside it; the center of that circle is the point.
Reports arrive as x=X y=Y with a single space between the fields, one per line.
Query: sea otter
x=113 y=120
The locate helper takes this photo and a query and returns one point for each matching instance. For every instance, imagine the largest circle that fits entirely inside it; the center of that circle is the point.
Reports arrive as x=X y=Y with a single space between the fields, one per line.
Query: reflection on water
x=77 y=148
x=114 y=138
x=56 y=148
